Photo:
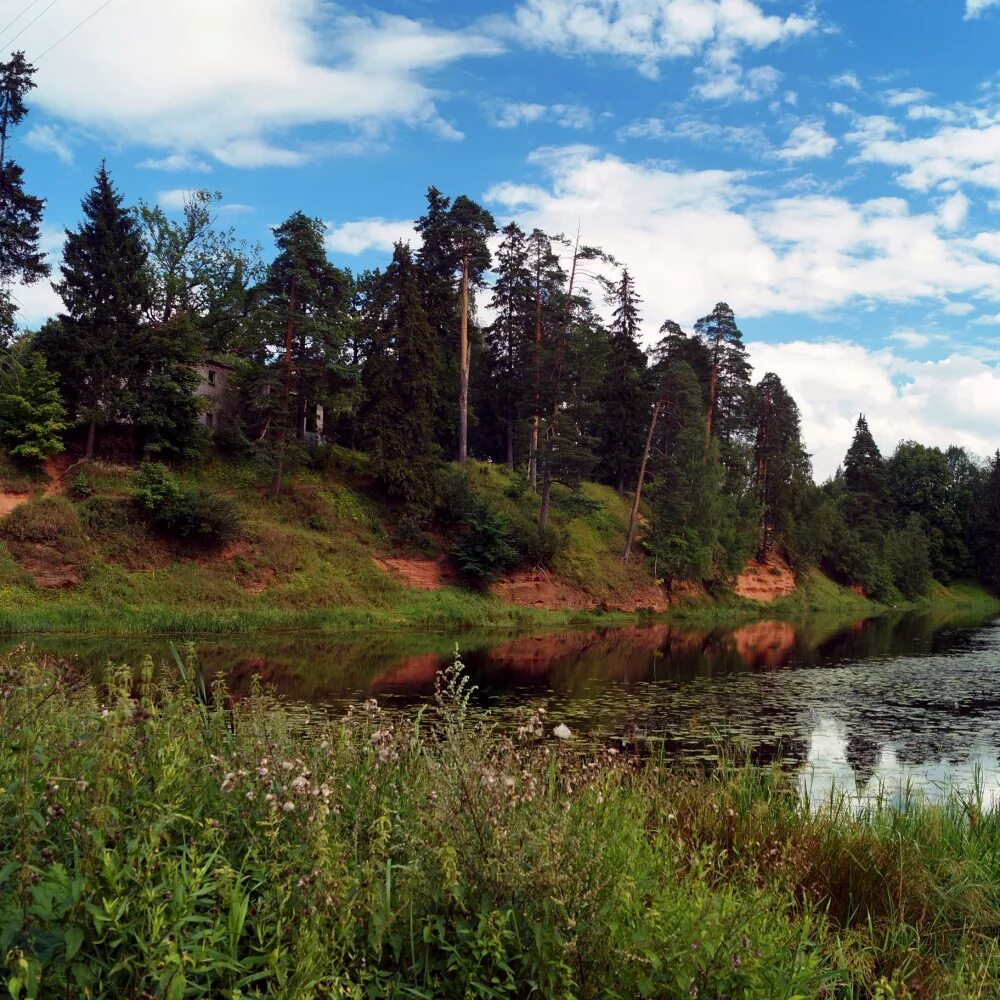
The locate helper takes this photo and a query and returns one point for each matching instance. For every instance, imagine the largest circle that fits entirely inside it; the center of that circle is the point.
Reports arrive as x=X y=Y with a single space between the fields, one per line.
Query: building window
x=211 y=377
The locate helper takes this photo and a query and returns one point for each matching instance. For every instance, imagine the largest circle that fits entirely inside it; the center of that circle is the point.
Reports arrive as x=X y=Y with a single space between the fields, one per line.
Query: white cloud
x=722 y=78
x=697 y=130
x=175 y=163
x=849 y=80
x=649 y=32
x=953 y=211
x=355 y=238
x=49 y=139
x=952 y=401
x=963 y=148
x=900 y=98
x=808 y=140
x=229 y=79
x=973 y=8
x=911 y=338
x=958 y=309
x=693 y=236
x=512 y=115
x=175 y=199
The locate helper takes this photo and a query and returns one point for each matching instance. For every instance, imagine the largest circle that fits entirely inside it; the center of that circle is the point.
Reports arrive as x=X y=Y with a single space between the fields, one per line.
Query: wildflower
x=229 y=782
x=735 y=962
x=300 y=784
x=288 y=807
x=562 y=732
x=287 y=765
x=82 y=785
x=262 y=772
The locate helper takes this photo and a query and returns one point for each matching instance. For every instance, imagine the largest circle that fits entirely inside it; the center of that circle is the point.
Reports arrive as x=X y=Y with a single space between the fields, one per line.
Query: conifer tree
x=624 y=399
x=684 y=491
x=509 y=336
x=781 y=465
x=400 y=379
x=727 y=414
x=21 y=259
x=94 y=344
x=987 y=535
x=305 y=304
x=32 y=414
x=865 y=486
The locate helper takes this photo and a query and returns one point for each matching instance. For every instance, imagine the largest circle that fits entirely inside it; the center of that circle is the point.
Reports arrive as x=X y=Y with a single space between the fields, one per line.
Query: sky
x=829 y=169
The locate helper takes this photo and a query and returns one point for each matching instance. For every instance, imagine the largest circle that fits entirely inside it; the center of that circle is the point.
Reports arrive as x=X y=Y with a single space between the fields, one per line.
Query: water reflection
x=882 y=703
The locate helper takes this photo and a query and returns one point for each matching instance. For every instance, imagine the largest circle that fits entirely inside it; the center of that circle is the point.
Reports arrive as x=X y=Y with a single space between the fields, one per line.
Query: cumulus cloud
x=973 y=8
x=647 y=33
x=514 y=114
x=808 y=140
x=952 y=401
x=228 y=79
x=691 y=236
x=362 y=235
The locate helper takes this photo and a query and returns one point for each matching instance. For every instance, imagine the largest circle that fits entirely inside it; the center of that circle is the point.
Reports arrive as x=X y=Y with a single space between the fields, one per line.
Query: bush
x=50 y=520
x=483 y=550
x=81 y=488
x=181 y=513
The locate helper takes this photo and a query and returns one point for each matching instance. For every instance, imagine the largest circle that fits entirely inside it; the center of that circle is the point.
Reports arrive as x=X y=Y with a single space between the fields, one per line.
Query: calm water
x=883 y=703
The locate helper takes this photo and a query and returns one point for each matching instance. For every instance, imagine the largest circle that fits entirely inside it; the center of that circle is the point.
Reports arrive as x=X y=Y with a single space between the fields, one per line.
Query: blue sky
x=832 y=170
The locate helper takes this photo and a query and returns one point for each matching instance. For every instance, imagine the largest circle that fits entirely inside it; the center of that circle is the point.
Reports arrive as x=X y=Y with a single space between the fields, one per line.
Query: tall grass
x=157 y=840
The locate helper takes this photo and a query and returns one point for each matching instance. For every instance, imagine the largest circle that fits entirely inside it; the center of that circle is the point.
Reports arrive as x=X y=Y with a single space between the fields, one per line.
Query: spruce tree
x=684 y=491
x=21 y=259
x=865 y=496
x=509 y=336
x=728 y=416
x=781 y=465
x=304 y=306
x=32 y=414
x=95 y=343
x=400 y=380
x=624 y=399
x=987 y=521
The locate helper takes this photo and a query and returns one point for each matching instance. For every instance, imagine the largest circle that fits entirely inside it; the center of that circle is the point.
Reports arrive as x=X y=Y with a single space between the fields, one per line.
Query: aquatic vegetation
x=163 y=840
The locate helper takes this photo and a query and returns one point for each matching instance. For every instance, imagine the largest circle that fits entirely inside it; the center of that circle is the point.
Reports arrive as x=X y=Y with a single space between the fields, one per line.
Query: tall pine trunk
x=463 y=386
x=510 y=441
x=91 y=439
x=536 y=416
x=279 y=465
x=634 y=516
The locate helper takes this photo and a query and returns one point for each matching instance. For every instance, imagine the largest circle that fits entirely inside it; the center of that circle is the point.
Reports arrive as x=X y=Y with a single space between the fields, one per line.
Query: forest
x=508 y=346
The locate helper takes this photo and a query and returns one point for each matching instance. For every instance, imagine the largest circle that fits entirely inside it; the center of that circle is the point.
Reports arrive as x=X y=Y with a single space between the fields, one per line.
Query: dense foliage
x=161 y=841
x=395 y=363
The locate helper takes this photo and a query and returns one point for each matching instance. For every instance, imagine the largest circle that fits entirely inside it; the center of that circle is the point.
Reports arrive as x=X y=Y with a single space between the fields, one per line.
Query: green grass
x=306 y=561
x=154 y=845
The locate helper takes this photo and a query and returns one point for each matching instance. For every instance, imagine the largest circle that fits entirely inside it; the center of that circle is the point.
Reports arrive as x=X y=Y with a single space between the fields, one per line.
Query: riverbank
x=161 y=846
x=80 y=558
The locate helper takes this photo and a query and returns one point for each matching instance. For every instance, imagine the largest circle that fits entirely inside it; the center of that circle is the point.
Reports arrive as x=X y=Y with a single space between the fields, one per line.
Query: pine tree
x=509 y=336
x=987 y=541
x=781 y=465
x=728 y=398
x=684 y=491
x=400 y=380
x=21 y=259
x=305 y=303
x=624 y=399
x=865 y=498
x=94 y=344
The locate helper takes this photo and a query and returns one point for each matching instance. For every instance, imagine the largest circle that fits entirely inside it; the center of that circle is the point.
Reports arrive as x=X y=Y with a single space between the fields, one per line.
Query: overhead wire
x=76 y=27
x=10 y=41
x=19 y=16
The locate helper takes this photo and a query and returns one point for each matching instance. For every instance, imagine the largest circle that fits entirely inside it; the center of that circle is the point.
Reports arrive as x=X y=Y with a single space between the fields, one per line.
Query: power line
x=19 y=16
x=92 y=14
x=11 y=41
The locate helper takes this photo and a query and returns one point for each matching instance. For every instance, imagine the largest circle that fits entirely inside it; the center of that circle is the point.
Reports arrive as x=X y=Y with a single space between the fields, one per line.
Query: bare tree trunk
x=463 y=385
x=536 y=416
x=543 y=514
x=279 y=466
x=634 y=516
x=510 y=441
x=713 y=394
x=91 y=439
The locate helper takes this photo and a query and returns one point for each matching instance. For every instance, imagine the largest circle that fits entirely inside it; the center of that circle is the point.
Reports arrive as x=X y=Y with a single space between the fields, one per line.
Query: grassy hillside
x=88 y=559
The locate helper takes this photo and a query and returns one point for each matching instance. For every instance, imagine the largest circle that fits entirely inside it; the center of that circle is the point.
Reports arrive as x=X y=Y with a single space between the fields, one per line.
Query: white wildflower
x=562 y=732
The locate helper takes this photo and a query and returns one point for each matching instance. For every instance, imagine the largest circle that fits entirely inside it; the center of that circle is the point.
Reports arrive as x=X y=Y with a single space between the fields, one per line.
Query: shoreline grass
x=450 y=608
x=159 y=845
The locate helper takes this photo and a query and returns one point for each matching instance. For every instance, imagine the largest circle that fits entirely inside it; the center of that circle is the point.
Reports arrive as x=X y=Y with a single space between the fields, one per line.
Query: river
x=873 y=707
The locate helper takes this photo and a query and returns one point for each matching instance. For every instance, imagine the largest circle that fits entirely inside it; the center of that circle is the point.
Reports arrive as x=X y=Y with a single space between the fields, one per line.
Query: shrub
x=483 y=550
x=49 y=520
x=181 y=513
x=81 y=488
